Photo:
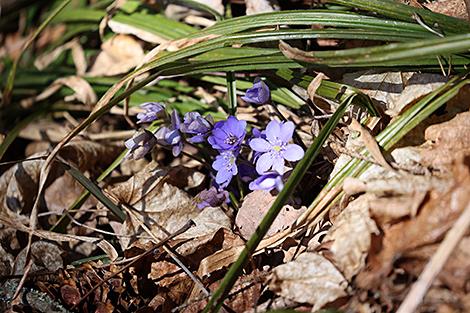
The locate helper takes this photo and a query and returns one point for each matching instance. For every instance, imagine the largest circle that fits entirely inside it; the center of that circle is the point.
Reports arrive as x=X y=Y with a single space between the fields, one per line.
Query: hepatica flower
x=275 y=149
x=226 y=167
x=171 y=135
x=228 y=135
x=268 y=182
x=153 y=111
x=140 y=144
x=258 y=94
x=196 y=125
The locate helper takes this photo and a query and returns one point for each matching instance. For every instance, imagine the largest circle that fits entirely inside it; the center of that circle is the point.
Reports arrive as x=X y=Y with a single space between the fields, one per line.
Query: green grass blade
x=396 y=10
x=11 y=76
x=389 y=55
x=95 y=191
x=232 y=92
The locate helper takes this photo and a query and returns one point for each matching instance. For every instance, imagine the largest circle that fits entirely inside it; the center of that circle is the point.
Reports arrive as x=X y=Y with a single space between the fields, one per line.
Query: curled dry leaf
x=78 y=56
x=253 y=209
x=394 y=90
x=309 y=279
x=350 y=237
x=82 y=91
x=119 y=54
x=447 y=141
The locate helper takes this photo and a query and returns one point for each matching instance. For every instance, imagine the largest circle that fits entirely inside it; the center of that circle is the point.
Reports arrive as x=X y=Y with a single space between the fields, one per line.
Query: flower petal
x=223 y=176
x=264 y=163
x=278 y=165
x=293 y=152
x=287 y=130
x=260 y=145
x=273 y=131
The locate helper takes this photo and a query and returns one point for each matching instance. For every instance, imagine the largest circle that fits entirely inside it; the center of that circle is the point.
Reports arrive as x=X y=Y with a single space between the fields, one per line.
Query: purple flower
x=226 y=167
x=140 y=144
x=268 y=182
x=171 y=135
x=258 y=94
x=275 y=147
x=228 y=135
x=197 y=125
x=153 y=111
x=257 y=134
x=211 y=198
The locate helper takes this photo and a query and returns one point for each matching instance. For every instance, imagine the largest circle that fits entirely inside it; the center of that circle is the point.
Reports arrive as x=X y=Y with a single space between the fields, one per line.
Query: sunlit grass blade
x=396 y=10
x=298 y=173
x=11 y=75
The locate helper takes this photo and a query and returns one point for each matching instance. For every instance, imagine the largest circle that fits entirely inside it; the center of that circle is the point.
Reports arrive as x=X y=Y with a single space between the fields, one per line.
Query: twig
x=437 y=262
x=188 y=225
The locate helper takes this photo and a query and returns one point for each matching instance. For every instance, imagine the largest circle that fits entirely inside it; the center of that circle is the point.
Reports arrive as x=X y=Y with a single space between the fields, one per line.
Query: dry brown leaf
x=350 y=237
x=394 y=90
x=314 y=84
x=254 y=207
x=78 y=56
x=434 y=219
x=371 y=145
x=447 y=141
x=455 y=8
x=46 y=256
x=309 y=279
x=83 y=91
x=391 y=209
x=119 y=54
x=19 y=183
x=208 y=222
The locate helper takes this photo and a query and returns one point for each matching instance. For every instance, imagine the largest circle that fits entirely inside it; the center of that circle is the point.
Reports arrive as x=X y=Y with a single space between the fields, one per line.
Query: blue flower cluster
x=260 y=159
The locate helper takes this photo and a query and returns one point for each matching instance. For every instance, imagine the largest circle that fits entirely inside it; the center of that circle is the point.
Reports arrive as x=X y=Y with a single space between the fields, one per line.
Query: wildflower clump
x=258 y=160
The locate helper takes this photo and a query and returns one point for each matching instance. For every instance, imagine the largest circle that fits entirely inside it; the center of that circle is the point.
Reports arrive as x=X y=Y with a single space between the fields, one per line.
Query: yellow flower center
x=277 y=148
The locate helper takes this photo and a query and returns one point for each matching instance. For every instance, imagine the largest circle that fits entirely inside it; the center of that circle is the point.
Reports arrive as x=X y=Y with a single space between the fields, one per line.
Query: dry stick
x=437 y=262
x=187 y=226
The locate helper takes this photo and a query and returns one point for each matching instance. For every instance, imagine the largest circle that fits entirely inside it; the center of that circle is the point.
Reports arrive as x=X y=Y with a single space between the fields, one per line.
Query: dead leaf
x=261 y=6
x=309 y=279
x=126 y=29
x=394 y=90
x=455 y=8
x=83 y=91
x=371 y=145
x=314 y=84
x=119 y=54
x=46 y=256
x=434 y=219
x=447 y=141
x=253 y=209
x=350 y=237
x=78 y=56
